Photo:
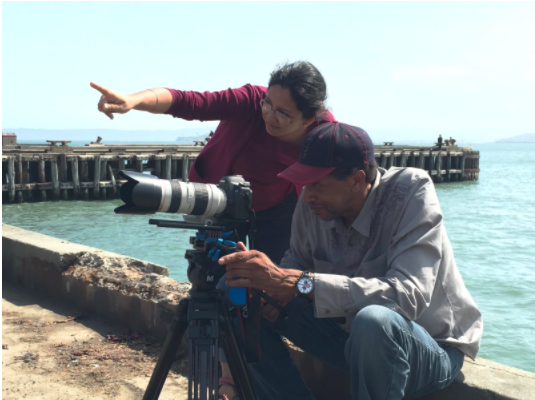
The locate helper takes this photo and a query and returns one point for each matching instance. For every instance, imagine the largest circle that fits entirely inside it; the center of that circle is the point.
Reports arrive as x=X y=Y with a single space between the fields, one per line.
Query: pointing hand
x=112 y=102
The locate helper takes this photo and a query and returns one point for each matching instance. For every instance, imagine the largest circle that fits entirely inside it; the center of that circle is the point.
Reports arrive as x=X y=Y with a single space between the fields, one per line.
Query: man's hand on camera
x=256 y=270
x=112 y=102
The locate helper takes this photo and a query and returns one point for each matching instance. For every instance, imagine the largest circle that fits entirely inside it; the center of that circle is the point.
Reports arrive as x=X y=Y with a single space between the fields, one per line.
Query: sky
x=402 y=71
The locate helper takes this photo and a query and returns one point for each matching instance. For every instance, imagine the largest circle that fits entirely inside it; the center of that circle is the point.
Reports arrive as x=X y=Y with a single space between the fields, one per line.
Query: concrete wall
x=133 y=292
x=123 y=289
x=478 y=380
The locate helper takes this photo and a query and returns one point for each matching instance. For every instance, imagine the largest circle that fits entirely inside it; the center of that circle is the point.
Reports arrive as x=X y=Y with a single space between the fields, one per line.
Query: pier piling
x=158 y=168
x=185 y=168
x=55 y=178
x=113 y=182
x=41 y=176
x=84 y=171
x=96 y=177
x=438 y=167
x=103 y=172
x=11 y=178
x=63 y=175
x=392 y=162
x=168 y=163
x=383 y=160
x=403 y=162
x=75 y=177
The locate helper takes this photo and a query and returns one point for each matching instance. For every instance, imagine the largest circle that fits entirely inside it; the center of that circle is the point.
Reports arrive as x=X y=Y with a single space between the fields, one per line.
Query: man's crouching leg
x=390 y=357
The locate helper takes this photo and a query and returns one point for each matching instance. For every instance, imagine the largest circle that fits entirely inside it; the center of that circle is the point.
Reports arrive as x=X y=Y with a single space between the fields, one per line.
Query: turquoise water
x=490 y=224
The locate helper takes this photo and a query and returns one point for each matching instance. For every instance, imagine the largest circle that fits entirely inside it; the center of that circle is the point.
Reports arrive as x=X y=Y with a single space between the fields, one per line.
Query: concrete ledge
x=123 y=289
x=133 y=293
x=478 y=380
x=60 y=253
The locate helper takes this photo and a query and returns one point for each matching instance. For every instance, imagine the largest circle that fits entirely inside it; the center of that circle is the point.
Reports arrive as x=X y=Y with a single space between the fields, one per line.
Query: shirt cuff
x=332 y=296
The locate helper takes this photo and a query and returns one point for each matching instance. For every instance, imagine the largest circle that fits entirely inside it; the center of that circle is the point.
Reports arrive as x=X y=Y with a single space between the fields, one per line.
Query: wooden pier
x=52 y=172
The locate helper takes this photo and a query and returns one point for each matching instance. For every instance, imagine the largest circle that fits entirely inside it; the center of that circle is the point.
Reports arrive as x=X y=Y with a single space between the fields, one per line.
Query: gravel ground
x=50 y=350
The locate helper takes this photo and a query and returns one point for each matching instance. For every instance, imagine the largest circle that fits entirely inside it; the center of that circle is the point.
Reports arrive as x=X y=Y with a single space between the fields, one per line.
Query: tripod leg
x=204 y=354
x=177 y=328
x=236 y=363
x=206 y=370
x=203 y=335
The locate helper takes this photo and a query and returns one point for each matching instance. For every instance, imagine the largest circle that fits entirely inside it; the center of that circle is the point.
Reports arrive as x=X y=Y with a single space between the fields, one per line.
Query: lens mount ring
x=176 y=197
x=201 y=199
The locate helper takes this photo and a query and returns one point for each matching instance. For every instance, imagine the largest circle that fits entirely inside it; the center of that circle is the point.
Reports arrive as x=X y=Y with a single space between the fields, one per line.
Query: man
x=369 y=245
x=439 y=142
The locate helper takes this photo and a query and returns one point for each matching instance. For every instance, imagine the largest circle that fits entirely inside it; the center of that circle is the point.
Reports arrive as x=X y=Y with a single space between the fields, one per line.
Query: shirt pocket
x=374 y=268
x=323 y=267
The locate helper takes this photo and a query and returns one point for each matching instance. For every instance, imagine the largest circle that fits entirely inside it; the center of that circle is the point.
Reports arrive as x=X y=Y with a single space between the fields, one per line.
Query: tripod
x=205 y=316
x=207 y=319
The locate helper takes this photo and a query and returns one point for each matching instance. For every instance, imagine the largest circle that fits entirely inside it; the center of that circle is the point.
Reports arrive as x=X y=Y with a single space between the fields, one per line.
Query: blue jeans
x=387 y=356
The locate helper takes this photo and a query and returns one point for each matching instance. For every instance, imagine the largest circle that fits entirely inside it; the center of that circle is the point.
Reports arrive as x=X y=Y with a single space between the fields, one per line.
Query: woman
x=259 y=136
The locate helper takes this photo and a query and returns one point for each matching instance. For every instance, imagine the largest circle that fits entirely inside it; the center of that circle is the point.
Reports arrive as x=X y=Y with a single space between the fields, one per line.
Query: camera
x=147 y=194
x=217 y=212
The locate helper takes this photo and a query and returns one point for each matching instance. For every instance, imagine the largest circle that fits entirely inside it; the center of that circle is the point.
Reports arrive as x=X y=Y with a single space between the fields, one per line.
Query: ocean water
x=490 y=223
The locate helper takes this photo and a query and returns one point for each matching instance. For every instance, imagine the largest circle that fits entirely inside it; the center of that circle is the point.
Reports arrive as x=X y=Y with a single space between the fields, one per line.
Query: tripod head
x=215 y=238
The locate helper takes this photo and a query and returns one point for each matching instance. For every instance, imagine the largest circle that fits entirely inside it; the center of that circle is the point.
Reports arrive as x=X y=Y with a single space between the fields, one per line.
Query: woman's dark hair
x=306 y=85
x=341 y=173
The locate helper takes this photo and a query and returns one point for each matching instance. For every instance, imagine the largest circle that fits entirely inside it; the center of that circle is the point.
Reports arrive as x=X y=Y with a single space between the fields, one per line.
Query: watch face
x=305 y=285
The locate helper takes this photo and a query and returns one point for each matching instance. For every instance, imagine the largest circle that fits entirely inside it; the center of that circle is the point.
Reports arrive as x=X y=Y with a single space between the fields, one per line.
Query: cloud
x=430 y=74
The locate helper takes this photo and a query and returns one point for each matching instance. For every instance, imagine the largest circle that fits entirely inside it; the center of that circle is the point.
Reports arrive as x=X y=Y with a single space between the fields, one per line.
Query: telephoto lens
x=147 y=194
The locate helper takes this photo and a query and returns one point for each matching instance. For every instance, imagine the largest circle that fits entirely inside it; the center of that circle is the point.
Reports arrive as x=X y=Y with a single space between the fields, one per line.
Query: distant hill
x=110 y=135
x=525 y=138
x=194 y=133
x=190 y=139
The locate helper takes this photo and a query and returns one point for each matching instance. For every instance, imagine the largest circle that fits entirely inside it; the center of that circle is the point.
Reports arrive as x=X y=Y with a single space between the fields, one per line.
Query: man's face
x=330 y=198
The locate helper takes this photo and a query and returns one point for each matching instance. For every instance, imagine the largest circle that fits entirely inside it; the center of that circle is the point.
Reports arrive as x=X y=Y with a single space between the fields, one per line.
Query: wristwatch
x=305 y=283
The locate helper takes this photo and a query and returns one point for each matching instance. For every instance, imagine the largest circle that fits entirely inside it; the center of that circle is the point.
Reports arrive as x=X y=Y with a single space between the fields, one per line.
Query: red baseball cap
x=326 y=147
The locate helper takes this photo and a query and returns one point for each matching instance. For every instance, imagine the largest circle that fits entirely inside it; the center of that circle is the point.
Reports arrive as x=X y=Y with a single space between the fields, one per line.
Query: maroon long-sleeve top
x=240 y=145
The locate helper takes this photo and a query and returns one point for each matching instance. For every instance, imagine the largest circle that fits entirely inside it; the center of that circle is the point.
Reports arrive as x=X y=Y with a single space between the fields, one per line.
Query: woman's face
x=283 y=120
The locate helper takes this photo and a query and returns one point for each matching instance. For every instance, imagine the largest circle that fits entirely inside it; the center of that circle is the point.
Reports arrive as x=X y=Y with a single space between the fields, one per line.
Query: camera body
x=239 y=197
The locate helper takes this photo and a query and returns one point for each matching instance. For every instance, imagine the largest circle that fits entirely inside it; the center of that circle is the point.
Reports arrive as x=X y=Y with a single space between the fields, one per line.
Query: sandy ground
x=51 y=350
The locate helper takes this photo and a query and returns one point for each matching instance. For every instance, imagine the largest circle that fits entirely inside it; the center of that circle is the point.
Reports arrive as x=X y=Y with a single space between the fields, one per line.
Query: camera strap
x=250 y=321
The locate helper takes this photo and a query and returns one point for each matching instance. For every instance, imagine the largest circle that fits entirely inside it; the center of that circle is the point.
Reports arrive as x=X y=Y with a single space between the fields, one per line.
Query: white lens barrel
x=217 y=201
x=166 y=195
x=186 y=196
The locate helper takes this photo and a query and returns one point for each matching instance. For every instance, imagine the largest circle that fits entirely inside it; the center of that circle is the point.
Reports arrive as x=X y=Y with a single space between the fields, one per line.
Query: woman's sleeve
x=215 y=106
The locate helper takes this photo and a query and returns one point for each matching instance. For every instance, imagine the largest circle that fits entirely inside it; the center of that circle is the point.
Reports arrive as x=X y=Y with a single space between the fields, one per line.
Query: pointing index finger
x=101 y=89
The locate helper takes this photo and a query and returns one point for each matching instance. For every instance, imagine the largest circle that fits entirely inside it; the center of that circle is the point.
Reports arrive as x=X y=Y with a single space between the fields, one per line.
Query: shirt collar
x=363 y=221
